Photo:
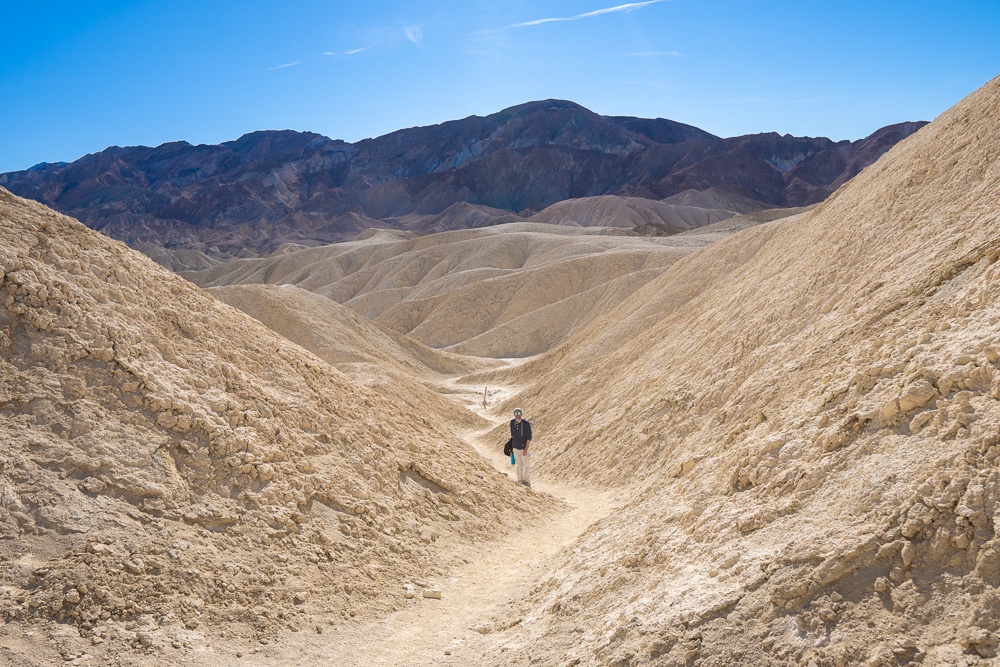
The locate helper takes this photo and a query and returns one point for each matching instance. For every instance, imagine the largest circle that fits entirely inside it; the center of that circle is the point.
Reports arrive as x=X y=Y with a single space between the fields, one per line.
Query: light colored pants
x=521 y=463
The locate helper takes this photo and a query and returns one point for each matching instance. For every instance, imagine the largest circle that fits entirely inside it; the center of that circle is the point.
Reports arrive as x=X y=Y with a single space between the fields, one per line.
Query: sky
x=77 y=77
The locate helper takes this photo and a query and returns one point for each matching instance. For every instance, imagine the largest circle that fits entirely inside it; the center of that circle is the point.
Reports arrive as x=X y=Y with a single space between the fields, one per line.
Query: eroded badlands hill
x=503 y=291
x=811 y=410
x=611 y=211
x=170 y=467
x=411 y=373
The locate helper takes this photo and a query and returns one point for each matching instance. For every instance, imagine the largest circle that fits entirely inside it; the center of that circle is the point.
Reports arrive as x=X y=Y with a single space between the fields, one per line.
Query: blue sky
x=76 y=77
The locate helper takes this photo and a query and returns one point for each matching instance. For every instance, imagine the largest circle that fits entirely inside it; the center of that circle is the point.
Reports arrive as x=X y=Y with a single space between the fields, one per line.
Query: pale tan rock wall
x=169 y=463
x=810 y=413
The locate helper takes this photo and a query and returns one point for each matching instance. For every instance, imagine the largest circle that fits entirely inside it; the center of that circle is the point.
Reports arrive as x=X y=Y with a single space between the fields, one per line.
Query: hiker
x=520 y=434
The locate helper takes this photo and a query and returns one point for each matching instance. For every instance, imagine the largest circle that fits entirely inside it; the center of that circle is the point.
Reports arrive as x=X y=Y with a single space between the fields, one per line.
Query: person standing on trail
x=520 y=435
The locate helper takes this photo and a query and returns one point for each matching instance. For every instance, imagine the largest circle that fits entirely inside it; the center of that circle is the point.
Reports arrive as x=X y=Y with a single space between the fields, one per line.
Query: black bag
x=508 y=447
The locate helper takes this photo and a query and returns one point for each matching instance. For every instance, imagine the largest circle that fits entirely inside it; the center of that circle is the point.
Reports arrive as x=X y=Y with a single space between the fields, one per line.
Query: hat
x=517 y=411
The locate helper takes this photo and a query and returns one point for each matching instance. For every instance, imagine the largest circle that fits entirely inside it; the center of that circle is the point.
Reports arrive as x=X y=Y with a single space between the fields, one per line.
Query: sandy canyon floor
x=477 y=596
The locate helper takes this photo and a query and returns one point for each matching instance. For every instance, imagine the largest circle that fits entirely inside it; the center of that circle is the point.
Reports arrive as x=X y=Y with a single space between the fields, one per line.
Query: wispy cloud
x=347 y=53
x=655 y=54
x=378 y=39
x=271 y=69
x=414 y=34
x=628 y=7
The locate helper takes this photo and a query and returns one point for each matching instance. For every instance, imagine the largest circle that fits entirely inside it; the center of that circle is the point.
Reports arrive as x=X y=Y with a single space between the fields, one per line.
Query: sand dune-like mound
x=343 y=226
x=717 y=198
x=337 y=334
x=177 y=260
x=374 y=356
x=726 y=228
x=615 y=211
x=504 y=291
x=171 y=467
x=811 y=412
x=531 y=310
x=460 y=215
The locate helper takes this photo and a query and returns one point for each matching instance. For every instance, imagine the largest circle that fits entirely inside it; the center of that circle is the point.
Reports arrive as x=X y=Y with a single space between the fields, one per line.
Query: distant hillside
x=505 y=291
x=269 y=188
x=612 y=211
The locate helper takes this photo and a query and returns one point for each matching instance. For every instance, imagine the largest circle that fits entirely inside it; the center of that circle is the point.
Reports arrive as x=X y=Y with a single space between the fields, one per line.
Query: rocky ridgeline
x=171 y=467
x=252 y=195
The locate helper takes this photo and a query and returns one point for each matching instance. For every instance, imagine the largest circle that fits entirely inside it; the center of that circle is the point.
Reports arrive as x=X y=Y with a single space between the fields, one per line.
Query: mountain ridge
x=271 y=187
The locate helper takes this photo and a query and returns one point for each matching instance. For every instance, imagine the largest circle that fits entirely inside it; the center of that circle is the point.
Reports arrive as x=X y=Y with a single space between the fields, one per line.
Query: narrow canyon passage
x=446 y=631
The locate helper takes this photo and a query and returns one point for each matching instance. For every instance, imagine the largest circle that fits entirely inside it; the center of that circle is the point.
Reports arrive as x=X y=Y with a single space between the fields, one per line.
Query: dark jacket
x=520 y=433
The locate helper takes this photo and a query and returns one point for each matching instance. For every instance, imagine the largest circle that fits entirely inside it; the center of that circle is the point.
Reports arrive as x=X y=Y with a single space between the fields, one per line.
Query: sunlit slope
x=373 y=356
x=615 y=211
x=726 y=228
x=813 y=407
x=508 y=290
x=526 y=302
x=717 y=198
x=337 y=334
x=163 y=453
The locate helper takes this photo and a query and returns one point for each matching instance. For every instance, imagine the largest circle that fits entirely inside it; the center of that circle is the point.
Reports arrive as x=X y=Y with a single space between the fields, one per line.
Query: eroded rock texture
x=169 y=464
x=810 y=413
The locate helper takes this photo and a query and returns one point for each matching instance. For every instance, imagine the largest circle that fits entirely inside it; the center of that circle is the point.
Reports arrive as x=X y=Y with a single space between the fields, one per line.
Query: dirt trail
x=429 y=631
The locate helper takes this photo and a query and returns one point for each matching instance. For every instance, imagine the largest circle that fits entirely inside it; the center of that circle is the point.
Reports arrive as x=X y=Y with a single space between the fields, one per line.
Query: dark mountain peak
x=543 y=106
x=758 y=136
x=563 y=123
x=283 y=144
x=272 y=136
x=167 y=151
